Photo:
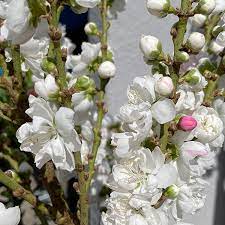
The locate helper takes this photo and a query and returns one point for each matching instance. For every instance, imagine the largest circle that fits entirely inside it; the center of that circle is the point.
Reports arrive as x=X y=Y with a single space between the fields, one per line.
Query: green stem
x=21 y=192
x=101 y=95
x=55 y=50
x=15 y=187
x=85 y=181
x=211 y=22
x=164 y=137
x=15 y=50
x=178 y=38
x=83 y=192
x=212 y=84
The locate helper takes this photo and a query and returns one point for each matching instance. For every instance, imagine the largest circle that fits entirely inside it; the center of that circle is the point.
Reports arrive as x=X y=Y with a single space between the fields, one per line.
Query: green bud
x=192 y=77
x=84 y=83
x=91 y=28
x=48 y=66
x=182 y=57
x=172 y=191
x=160 y=68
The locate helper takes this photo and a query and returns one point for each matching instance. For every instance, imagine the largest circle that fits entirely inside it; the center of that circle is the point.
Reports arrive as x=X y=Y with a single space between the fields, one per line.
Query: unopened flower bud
x=198 y=20
x=107 y=70
x=205 y=6
x=215 y=48
x=187 y=123
x=151 y=47
x=193 y=76
x=48 y=66
x=83 y=83
x=196 y=41
x=91 y=28
x=182 y=57
x=158 y=8
x=164 y=86
x=172 y=191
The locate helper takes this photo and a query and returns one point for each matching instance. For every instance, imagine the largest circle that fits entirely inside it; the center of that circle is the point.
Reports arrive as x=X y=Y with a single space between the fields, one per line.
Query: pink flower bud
x=187 y=123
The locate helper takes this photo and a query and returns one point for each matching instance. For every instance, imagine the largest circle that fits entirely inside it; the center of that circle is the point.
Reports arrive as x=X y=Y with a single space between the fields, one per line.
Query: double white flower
x=50 y=135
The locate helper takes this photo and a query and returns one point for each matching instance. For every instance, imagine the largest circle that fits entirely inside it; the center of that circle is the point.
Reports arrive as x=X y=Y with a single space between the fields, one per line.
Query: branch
x=178 y=33
x=53 y=187
x=17 y=189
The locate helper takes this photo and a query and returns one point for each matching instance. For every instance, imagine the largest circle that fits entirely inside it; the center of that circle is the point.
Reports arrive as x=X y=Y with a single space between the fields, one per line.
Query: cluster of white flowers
x=52 y=133
x=170 y=138
x=170 y=135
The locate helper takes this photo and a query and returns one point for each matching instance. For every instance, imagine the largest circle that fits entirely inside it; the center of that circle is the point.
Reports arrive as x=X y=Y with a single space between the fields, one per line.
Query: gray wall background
x=125 y=33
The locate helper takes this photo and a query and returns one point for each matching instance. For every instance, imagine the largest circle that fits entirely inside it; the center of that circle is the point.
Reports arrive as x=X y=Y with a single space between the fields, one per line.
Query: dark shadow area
x=74 y=27
x=219 y=213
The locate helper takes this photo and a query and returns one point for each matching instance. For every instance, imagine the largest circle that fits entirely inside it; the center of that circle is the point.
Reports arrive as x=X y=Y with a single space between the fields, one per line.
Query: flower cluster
x=67 y=113
x=172 y=126
x=51 y=135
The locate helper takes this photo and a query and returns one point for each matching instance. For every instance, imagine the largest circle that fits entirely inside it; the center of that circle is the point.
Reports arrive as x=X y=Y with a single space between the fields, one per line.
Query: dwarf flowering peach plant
x=147 y=163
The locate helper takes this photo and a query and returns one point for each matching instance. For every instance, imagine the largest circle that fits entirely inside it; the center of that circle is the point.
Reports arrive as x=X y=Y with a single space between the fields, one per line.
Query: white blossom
x=10 y=216
x=163 y=111
x=142 y=90
x=79 y=63
x=17 y=25
x=51 y=134
x=144 y=173
x=191 y=198
x=188 y=100
x=209 y=127
x=47 y=87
